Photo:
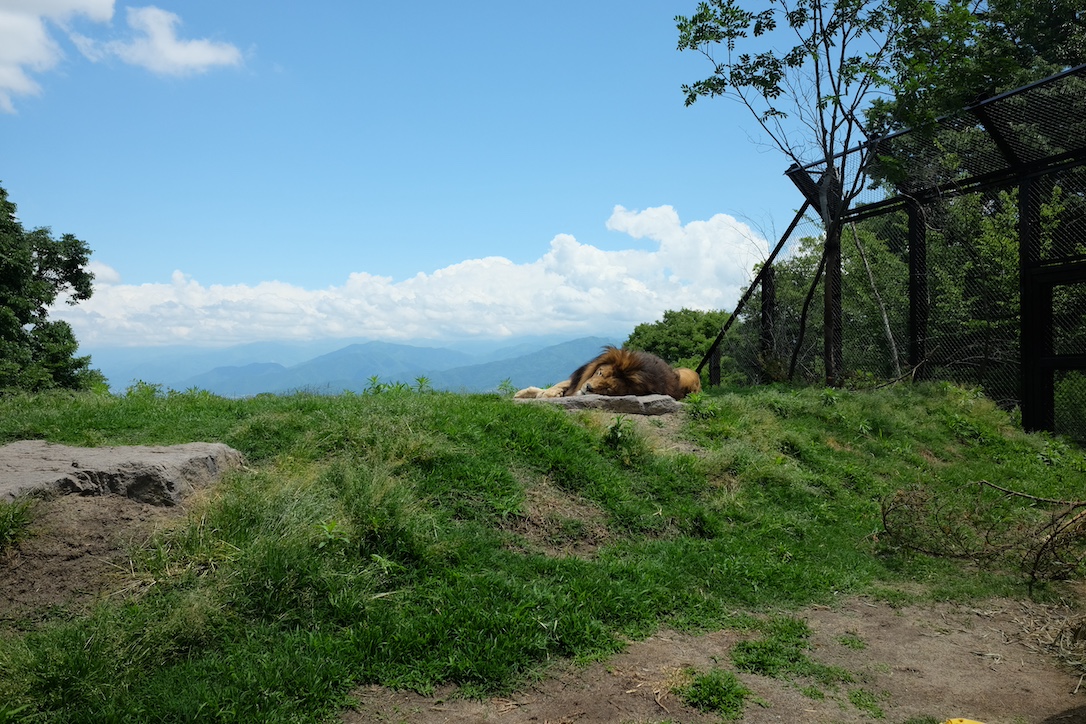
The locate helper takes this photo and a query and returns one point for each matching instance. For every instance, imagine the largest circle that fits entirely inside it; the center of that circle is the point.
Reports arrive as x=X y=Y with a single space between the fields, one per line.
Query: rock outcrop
x=623 y=405
x=158 y=475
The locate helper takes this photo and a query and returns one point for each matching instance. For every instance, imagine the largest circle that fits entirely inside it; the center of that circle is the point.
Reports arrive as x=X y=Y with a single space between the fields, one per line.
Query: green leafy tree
x=37 y=353
x=962 y=53
x=808 y=96
x=959 y=52
x=875 y=301
x=806 y=70
x=681 y=337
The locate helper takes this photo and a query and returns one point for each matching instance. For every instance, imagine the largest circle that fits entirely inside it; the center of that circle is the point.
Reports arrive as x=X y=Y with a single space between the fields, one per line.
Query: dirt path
x=929 y=661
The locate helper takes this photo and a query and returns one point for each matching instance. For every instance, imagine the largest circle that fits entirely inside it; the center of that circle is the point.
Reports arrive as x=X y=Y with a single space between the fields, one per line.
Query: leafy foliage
x=959 y=52
x=36 y=269
x=681 y=337
x=874 y=301
x=806 y=70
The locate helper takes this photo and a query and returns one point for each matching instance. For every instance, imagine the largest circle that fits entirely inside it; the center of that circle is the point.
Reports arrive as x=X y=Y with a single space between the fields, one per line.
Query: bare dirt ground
x=939 y=661
x=994 y=663
x=76 y=553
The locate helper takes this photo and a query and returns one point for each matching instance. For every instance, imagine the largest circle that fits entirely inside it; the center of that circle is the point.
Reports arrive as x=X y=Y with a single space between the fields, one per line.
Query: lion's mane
x=619 y=372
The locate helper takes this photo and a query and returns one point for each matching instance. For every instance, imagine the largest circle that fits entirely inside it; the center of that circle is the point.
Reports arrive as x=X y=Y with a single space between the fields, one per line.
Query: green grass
x=716 y=691
x=781 y=652
x=378 y=538
x=866 y=701
x=15 y=517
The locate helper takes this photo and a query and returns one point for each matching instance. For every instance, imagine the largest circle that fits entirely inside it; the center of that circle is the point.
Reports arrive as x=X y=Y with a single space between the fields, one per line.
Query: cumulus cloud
x=572 y=288
x=104 y=275
x=28 y=44
x=157 y=47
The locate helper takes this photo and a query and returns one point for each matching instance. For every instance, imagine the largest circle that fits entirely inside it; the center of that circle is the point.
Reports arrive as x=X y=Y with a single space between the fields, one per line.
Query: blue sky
x=250 y=171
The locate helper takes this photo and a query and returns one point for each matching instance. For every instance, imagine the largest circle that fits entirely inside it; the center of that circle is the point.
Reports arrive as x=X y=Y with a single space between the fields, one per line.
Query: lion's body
x=619 y=372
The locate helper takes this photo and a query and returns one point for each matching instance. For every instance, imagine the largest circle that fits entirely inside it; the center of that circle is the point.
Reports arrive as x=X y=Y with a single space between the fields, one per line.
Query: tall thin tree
x=807 y=99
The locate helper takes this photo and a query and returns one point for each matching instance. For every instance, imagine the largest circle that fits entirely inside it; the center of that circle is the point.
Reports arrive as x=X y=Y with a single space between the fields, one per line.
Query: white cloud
x=104 y=275
x=572 y=288
x=28 y=46
x=157 y=48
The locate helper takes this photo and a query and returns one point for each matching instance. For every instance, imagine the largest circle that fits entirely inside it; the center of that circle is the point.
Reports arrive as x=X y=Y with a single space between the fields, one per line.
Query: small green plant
x=14 y=520
x=715 y=690
x=852 y=641
x=622 y=439
x=698 y=407
x=332 y=532
x=506 y=388
x=422 y=385
x=618 y=433
x=830 y=397
x=375 y=386
x=866 y=701
x=143 y=390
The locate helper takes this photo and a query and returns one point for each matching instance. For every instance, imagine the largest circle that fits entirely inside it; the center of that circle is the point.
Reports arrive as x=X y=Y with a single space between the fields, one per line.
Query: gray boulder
x=157 y=475
x=623 y=405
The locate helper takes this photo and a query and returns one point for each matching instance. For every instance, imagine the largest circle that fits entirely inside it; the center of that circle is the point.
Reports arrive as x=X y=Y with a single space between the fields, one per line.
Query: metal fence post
x=1035 y=337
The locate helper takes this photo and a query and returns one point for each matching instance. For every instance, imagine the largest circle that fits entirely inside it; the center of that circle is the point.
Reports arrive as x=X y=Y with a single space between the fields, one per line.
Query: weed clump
x=716 y=691
x=14 y=521
x=782 y=652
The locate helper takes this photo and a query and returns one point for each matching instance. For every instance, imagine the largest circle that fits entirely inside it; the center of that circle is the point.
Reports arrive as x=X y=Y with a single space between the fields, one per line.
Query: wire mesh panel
x=963 y=257
x=1070 y=403
x=781 y=326
x=973 y=289
x=1062 y=259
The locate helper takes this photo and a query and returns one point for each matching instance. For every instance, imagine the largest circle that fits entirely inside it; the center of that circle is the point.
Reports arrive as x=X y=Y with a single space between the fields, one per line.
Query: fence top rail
x=1028 y=131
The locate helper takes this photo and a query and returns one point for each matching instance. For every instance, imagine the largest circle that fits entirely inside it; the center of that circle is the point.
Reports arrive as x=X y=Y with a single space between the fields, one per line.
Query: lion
x=649 y=371
x=618 y=372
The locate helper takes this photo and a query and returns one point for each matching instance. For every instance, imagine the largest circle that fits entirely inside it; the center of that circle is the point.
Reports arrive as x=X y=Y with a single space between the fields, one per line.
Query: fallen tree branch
x=1070 y=503
x=988 y=530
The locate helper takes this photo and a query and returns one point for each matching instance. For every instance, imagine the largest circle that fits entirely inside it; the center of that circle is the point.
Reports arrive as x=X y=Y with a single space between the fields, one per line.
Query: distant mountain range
x=281 y=368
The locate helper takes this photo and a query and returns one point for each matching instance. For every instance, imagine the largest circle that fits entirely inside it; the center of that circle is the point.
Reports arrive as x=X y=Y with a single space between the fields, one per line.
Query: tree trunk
x=886 y=329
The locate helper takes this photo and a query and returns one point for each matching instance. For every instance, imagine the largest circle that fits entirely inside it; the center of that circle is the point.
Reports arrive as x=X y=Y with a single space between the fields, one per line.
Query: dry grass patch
x=556 y=522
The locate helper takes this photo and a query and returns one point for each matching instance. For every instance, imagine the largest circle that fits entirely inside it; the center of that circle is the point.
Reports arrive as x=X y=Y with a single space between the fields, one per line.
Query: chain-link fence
x=963 y=259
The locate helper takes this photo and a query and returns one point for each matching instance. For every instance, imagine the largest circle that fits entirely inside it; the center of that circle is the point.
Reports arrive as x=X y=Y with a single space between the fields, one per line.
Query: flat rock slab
x=624 y=405
x=157 y=475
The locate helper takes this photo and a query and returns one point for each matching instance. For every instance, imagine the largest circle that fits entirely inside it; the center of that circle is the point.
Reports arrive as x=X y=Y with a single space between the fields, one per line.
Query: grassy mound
x=412 y=539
